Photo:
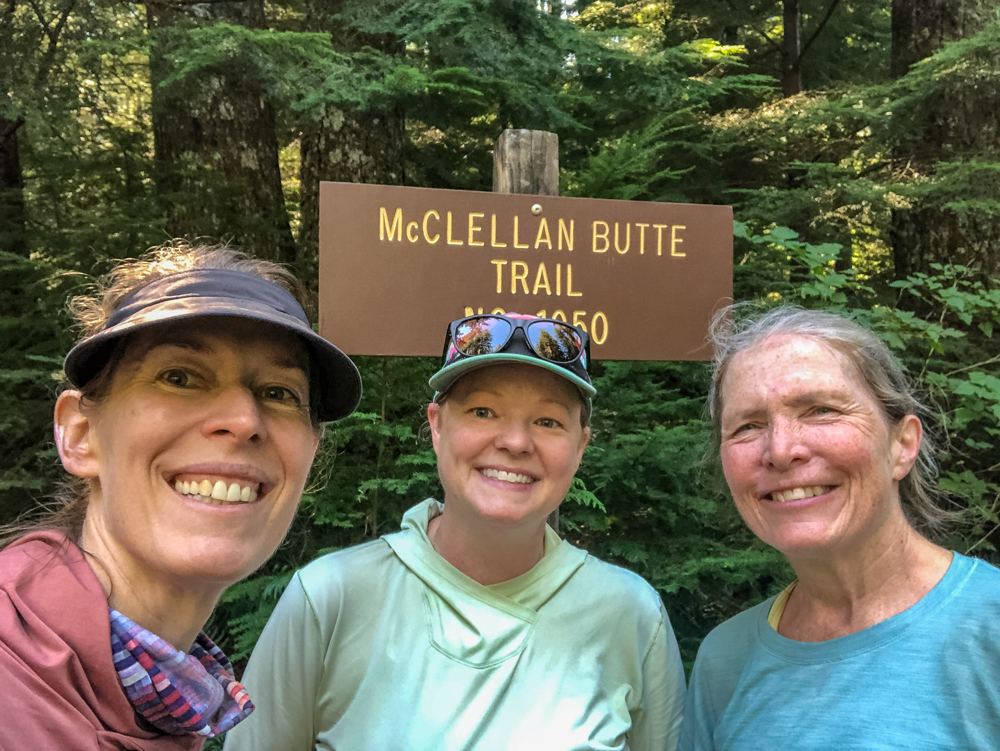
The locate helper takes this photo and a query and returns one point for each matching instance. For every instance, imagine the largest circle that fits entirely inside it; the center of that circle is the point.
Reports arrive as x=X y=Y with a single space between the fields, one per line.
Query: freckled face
x=219 y=403
x=810 y=460
x=508 y=440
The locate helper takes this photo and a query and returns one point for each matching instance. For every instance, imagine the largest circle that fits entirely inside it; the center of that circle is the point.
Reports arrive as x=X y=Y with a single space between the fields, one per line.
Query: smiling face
x=217 y=409
x=811 y=461
x=508 y=440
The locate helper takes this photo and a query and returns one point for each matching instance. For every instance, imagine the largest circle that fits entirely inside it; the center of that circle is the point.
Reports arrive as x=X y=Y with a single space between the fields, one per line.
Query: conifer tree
x=214 y=136
x=960 y=126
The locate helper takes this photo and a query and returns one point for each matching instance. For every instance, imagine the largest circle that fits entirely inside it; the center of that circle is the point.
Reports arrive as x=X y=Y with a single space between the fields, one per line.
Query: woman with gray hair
x=885 y=640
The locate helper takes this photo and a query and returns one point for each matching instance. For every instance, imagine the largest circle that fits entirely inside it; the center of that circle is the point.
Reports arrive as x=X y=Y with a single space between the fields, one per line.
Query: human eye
x=176 y=377
x=483 y=413
x=281 y=394
x=548 y=422
x=824 y=409
x=743 y=429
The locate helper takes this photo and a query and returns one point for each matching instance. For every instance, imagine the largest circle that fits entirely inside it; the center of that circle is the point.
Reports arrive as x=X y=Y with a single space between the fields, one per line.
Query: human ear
x=909 y=436
x=434 y=419
x=74 y=436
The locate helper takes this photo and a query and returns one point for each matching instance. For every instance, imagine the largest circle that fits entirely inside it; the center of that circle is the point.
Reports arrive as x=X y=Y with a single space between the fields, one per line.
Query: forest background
x=859 y=143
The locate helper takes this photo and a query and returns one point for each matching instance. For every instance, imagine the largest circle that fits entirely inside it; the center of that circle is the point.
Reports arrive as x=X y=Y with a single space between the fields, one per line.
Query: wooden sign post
x=527 y=161
x=644 y=279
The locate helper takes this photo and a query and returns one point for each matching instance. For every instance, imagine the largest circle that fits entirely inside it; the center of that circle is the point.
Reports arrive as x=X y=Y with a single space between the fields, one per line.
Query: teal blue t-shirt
x=928 y=678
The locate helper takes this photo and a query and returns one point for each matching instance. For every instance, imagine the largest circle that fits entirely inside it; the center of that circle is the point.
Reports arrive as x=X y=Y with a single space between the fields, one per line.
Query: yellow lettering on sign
x=599 y=338
x=470 y=312
x=569 y=282
x=427 y=236
x=558 y=279
x=473 y=229
x=642 y=237
x=568 y=234
x=541 y=281
x=558 y=315
x=515 y=235
x=450 y=240
x=577 y=319
x=412 y=237
x=499 y=312
x=659 y=237
x=540 y=314
x=518 y=276
x=543 y=226
x=628 y=238
x=499 y=264
x=675 y=240
x=383 y=224
x=603 y=236
x=493 y=235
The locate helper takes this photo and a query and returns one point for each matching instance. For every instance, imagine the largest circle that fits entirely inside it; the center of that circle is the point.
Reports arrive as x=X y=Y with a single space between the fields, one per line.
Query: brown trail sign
x=396 y=264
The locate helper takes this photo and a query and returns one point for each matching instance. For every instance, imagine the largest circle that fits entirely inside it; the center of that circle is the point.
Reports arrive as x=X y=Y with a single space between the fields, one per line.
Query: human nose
x=784 y=445
x=235 y=412
x=514 y=437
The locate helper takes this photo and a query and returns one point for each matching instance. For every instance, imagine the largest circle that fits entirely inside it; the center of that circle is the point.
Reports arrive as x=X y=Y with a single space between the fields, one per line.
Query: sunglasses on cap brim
x=550 y=339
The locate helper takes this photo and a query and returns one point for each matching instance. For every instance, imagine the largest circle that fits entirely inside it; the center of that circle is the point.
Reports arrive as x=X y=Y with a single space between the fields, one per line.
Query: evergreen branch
x=53 y=36
x=829 y=12
x=760 y=31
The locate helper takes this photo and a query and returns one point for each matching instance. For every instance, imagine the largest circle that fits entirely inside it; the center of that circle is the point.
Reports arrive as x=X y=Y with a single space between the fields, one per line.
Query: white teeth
x=797 y=494
x=218 y=493
x=500 y=474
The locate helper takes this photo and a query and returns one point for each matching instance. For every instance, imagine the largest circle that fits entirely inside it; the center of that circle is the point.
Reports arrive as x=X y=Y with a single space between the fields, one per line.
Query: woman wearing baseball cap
x=196 y=402
x=476 y=626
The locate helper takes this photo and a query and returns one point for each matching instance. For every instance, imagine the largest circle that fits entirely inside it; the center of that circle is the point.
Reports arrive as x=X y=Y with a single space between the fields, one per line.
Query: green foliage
x=949 y=349
x=651 y=101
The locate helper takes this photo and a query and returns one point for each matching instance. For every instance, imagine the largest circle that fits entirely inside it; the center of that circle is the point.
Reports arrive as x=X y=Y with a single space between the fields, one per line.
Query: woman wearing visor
x=197 y=397
x=476 y=626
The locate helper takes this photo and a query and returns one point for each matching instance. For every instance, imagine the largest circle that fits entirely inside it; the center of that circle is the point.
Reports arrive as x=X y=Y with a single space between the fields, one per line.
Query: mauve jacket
x=58 y=686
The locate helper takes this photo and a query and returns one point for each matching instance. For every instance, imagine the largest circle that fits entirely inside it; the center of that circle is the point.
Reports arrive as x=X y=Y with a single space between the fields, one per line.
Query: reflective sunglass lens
x=554 y=341
x=481 y=336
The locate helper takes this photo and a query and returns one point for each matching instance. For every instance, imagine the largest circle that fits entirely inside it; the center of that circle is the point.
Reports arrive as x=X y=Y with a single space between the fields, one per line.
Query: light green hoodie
x=387 y=646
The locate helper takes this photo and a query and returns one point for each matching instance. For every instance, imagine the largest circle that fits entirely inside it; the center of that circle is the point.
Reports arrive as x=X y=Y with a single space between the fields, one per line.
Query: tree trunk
x=345 y=144
x=964 y=122
x=791 y=49
x=215 y=144
x=922 y=27
x=13 y=229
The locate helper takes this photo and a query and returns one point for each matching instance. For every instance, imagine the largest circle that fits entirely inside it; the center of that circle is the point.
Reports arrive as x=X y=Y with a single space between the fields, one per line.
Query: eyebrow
x=557 y=402
x=482 y=390
x=283 y=360
x=819 y=395
x=809 y=397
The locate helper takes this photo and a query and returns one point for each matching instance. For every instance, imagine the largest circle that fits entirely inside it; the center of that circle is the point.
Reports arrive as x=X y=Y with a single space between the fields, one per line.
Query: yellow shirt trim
x=778 y=606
